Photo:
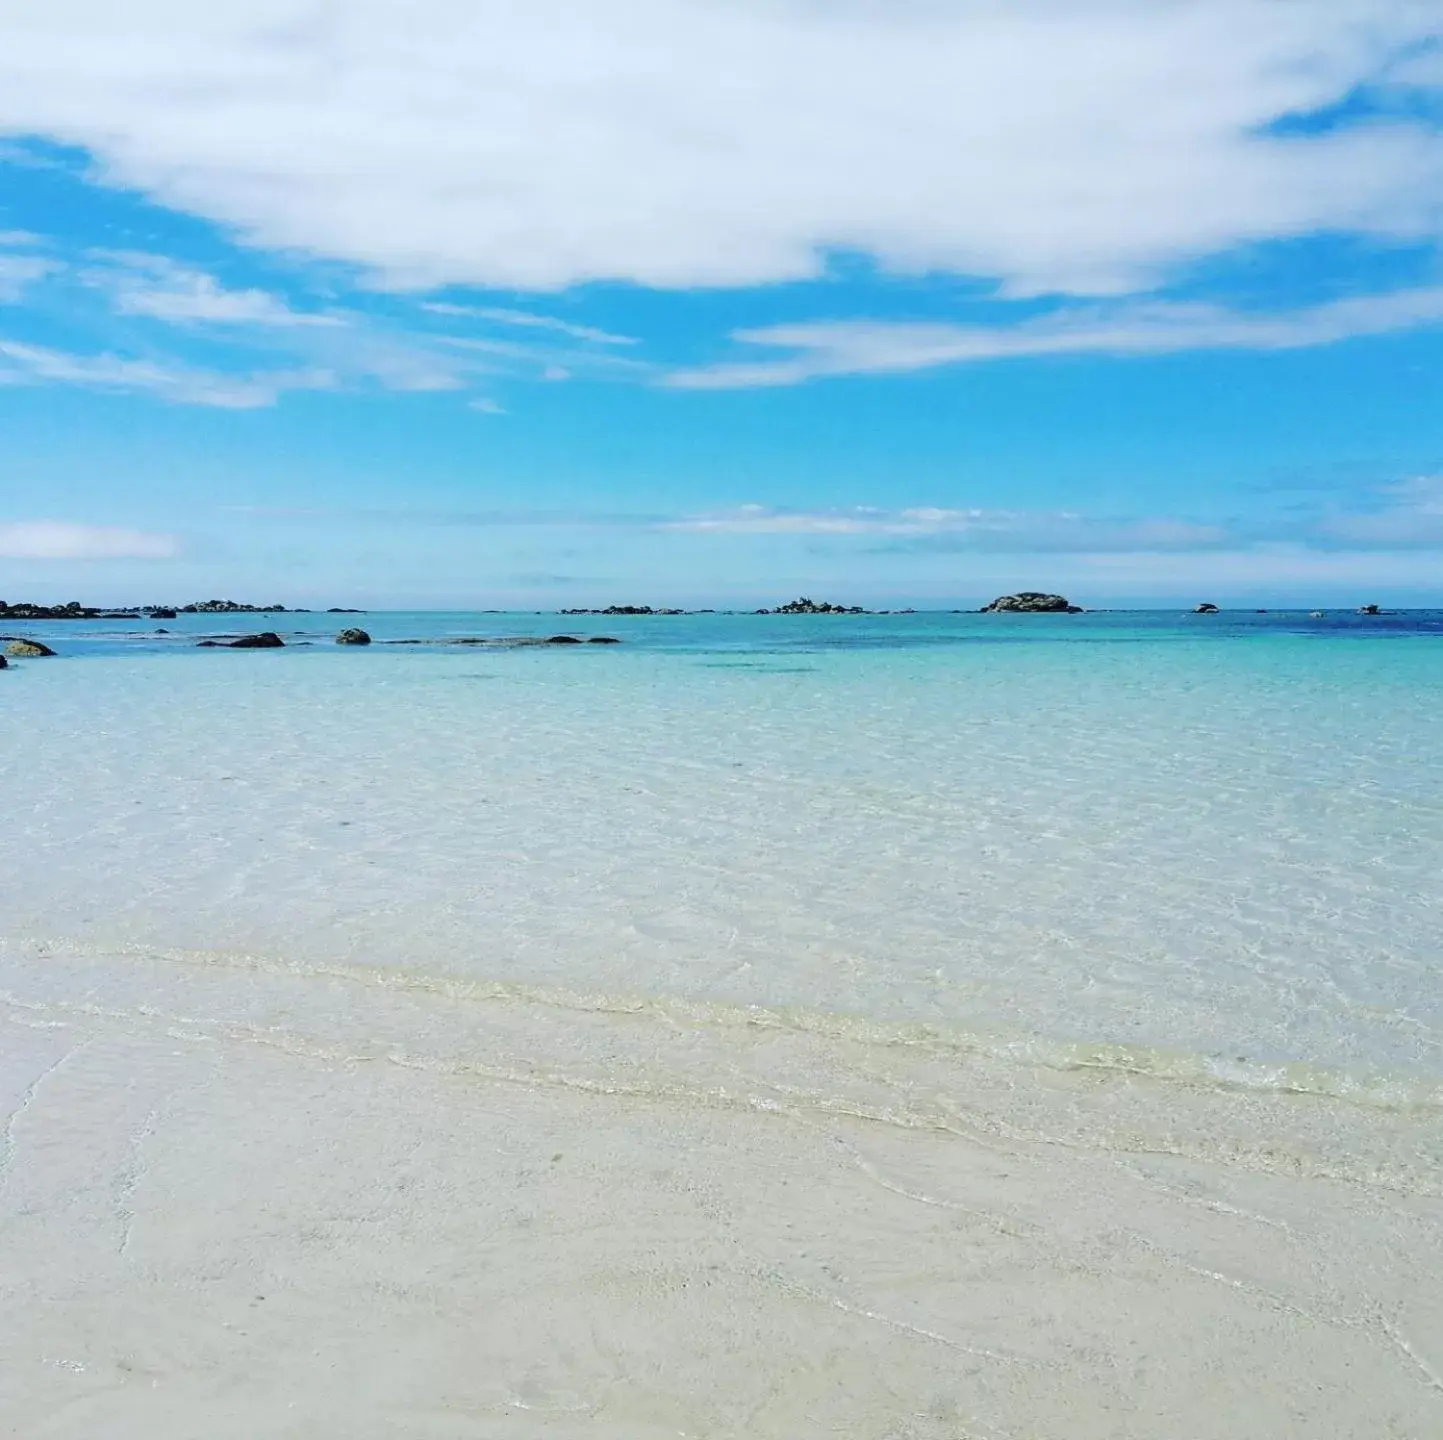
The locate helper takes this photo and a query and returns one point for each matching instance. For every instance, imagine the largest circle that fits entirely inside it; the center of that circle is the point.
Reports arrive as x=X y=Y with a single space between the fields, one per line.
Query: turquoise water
x=1215 y=834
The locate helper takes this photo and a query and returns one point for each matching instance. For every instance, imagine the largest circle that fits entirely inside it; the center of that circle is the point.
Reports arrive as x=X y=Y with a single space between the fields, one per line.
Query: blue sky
x=677 y=301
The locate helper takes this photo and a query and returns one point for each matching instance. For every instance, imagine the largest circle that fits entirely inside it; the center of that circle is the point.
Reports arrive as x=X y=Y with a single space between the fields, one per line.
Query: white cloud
x=1089 y=146
x=157 y=287
x=877 y=347
x=936 y=528
x=22 y=364
x=487 y=407
x=62 y=540
x=526 y=320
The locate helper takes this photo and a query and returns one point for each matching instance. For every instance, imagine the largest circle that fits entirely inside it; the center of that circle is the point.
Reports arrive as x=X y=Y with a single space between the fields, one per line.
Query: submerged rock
x=353 y=637
x=603 y=640
x=1032 y=602
x=562 y=640
x=27 y=649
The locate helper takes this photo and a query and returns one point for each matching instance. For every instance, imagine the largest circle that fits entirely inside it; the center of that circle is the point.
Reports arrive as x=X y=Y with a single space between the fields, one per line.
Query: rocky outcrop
x=1032 y=602
x=4 y=663
x=74 y=610
x=1369 y=610
x=229 y=607
x=1206 y=608
x=24 y=610
x=27 y=649
x=603 y=640
x=343 y=610
x=562 y=640
x=625 y=610
x=266 y=640
x=353 y=637
x=805 y=606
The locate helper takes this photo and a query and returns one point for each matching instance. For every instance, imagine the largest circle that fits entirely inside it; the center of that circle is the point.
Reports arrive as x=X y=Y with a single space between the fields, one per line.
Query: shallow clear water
x=1148 y=904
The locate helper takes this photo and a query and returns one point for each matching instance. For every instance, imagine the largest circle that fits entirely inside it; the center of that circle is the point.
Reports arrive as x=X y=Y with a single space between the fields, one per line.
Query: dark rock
x=266 y=640
x=161 y=630
x=343 y=610
x=1206 y=608
x=27 y=649
x=4 y=663
x=603 y=640
x=353 y=637
x=562 y=640
x=1032 y=602
x=162 y=614
x=1369 y=610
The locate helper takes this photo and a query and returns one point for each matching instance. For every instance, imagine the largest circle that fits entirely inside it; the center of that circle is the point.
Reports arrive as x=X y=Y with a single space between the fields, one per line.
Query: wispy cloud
x=157 y=287
x=936 y=528
x=1405 y=516
x=63 y=540
x=878 y=347
x=18 y=273
x=525 y=320
x=22 y=364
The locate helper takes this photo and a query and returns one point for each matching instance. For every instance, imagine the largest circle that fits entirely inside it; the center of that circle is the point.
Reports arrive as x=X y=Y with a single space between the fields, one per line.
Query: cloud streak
x=941 y=529
x=1124 y=329
x=158 y=288
x=22 y=364
x=64 y=540
x=527 y=321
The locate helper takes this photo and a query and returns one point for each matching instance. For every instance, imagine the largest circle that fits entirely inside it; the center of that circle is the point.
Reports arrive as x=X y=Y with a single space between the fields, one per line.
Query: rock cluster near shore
x=1032 y=602
x=19 y=649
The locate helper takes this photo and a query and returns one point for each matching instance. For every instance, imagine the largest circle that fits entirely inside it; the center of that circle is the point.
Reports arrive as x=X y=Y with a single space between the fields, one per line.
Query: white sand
x=237 y=1201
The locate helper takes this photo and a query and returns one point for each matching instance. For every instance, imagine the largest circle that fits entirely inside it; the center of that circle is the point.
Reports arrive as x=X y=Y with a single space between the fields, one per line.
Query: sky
x=545 y=303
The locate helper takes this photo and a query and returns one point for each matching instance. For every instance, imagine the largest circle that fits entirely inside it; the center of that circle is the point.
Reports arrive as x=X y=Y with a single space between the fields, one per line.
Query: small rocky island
x=1206 y=608
x=804 y=606
x=1031 y=602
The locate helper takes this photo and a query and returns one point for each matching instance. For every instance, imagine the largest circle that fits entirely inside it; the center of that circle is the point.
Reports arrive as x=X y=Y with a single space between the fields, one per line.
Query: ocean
x=936 y=1025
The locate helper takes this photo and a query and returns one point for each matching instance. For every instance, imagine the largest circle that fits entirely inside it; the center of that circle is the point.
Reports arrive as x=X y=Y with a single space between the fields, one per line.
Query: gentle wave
x=1163 y=1065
